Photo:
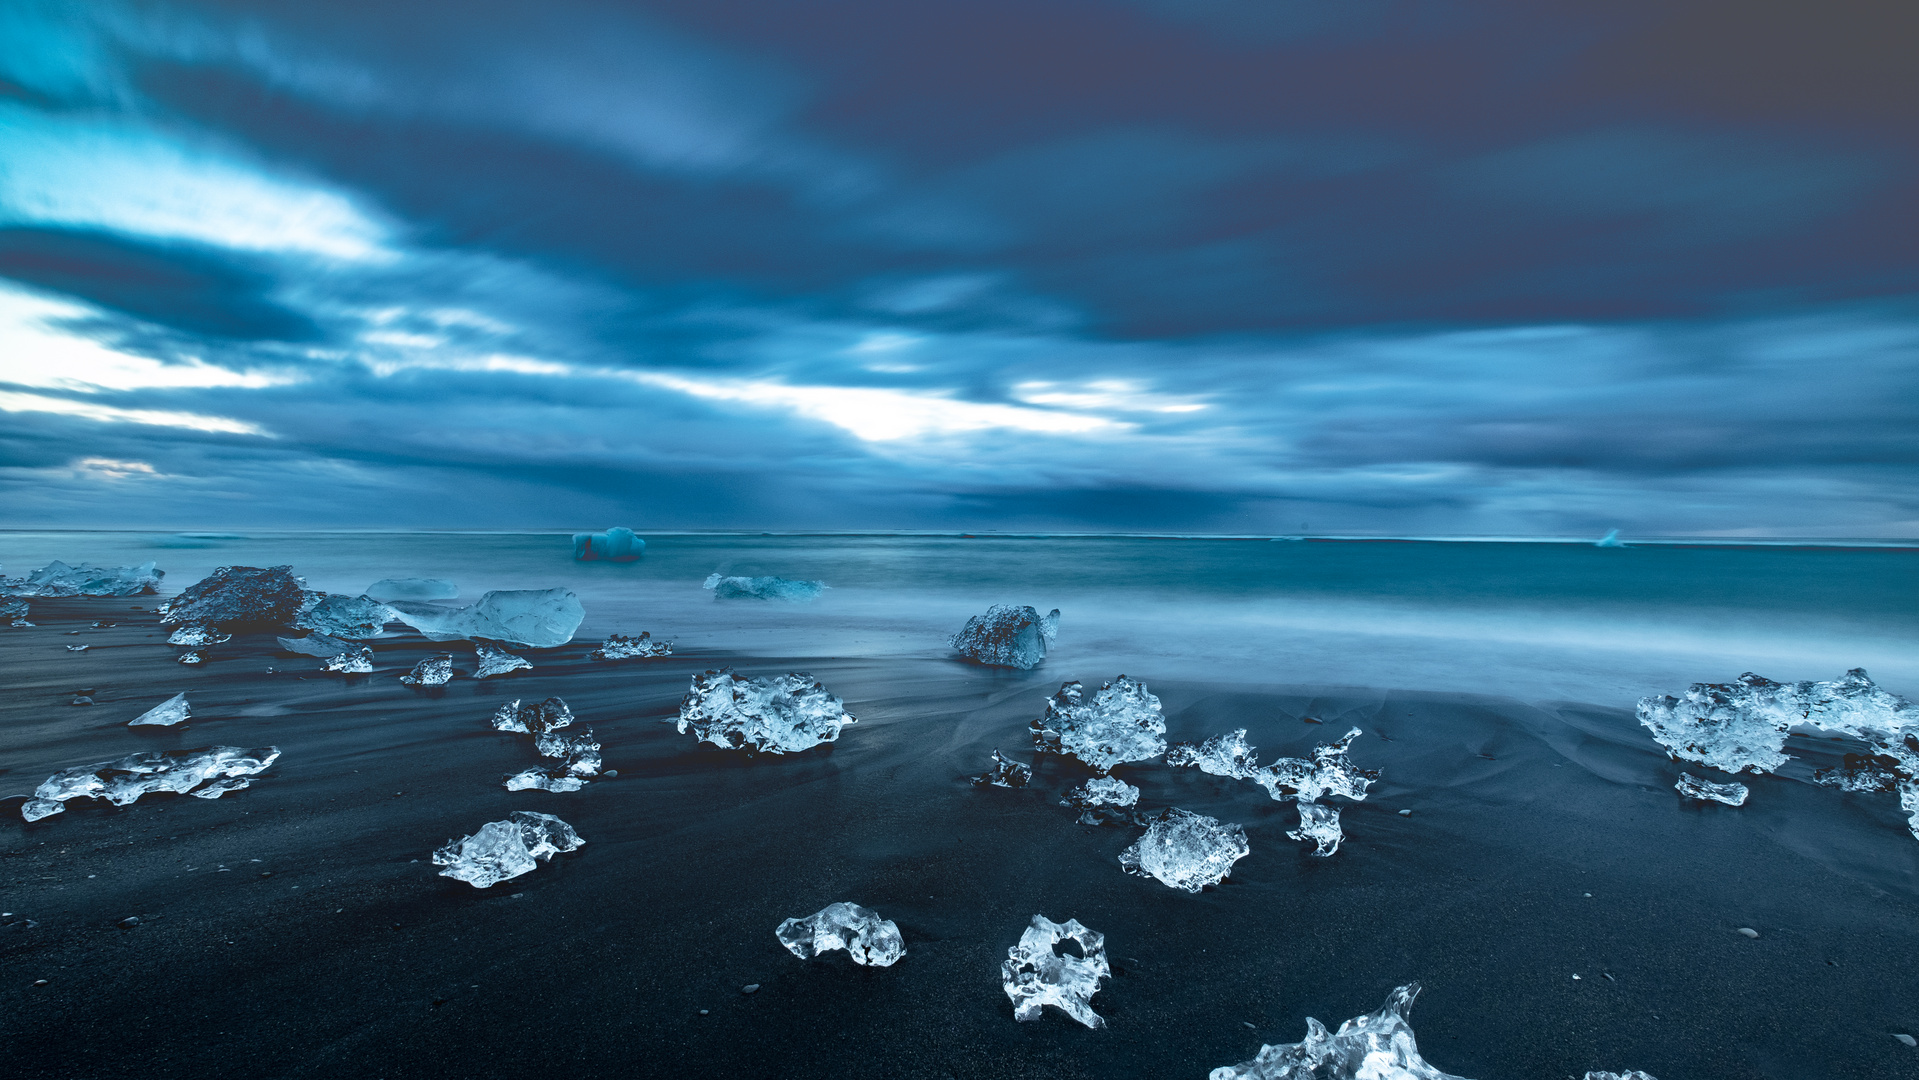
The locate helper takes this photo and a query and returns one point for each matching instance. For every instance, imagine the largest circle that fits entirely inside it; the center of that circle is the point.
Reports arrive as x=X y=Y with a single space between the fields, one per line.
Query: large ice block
x=1036 y=973
x=1186 y=851
x=762 y=588
x=1379 y=1046
x=1008 y=636
x=412 y=588
x=355 y=617
x=621 y=647
x=613 y=545
x=779 y=714
x=534 y=618
x=172 y=711
x=57 y=579
x=126 y=779
x=1121 y=723
x=239 y=598
x=870 y=940
x=506 y=849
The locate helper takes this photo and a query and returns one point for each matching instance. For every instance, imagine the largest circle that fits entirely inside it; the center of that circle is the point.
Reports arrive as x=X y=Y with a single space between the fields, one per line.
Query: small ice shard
x=351 y=663
x=58 y=579
x=198 y=636
x=1328 y=773
x=762 y=588
x=1005 y=773
x=1103 y=800
x=78 y=648
x=354 y=617
x=239 y=598
x=411 y=588
x=166 y=714
x=870 y=940
x=1320 y=824
x=1630 y=1074
x=1008 y=636
x=533 y=717
x=220 y=787
x=1694 y=788
x=779 y=714
x=14 y=613
x=123 y=781
x=1611 y=539
x=613 y=545
x=1375 y=1047
x=1222 y=755
x=534 y=618
x=319 y=645
x=492 y=660
x=542 y=780
x=433 y=671
x=193 y=657
x=1185 y=850
x=621 y=647
x=1036 y=974
x=506 y=849
x=35 y=809
x=1121 y=723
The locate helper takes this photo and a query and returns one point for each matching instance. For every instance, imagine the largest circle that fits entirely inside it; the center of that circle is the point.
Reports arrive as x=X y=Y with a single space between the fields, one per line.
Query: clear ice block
x=1186 y=851
x=1120 y=723
x=870 y=940
x=1008 y=636
x=1036 y=973
x=506 y=849
x=779 y=714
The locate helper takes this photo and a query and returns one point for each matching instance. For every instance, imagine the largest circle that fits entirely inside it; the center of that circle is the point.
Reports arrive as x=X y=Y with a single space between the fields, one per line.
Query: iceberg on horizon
x=1036 y=974
x=1611 y=540
x=1008 y=636
x=1186 y=851
x=506 y=849
x=762 y=588
x=613 y=545
x=239 y=598
x=125 y=780
x=1121 y=723
x=870 y=940
x=57 y=579
x=412 y=588
x=778 y=714
x=532 y=618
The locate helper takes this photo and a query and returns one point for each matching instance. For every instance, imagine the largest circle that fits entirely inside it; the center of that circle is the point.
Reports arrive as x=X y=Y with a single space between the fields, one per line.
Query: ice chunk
x=762 y=588
x=1909 y=805
x=359 y=662
x=59 y=579
x=542 y=780
x=779 y=714
x=492 y=660
x=613 y=545
x=239 y=598
x=166 y=714
x=35 y=809
x=1121 y=723
x=1222 y=755
x=433 y=671
x=412 y=588
x=193 y=657
x=1631 y=1074
x=1328 y=773
x=1005 y=773
x=220 y=787
x=1611 y=539
x=1320 y=824
x=1008 y=636
x=1694 y=788
x=578 y=754
x=531 y=717
x=506 y=849
x=123 y=781
x=14 y=613
x=319 y=645
x=1037 y=974
x=621 y=647
x=1743 y=725
x=1104 y=799
x=198 y=636
x=870 y=940
x=1185 y=850
x=535 y=618
x=1375 y=1047
x=344 y=616
x=78 y=648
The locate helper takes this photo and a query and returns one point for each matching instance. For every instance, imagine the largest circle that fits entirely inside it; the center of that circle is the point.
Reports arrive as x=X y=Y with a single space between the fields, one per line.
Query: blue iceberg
x=613 y=545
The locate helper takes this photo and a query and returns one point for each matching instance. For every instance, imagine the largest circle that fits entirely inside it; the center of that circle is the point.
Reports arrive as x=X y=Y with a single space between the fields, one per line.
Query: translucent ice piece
x=166 y=714
x=433 y=671
x=1328 y=773
x=59 y=579
x=535 y=618
x=1185 y=850
x=238 y=598
x=1121 y=723
x=1103 y=791
x=543 y=780
x=1222 y=755
x=870 y=940
x=1320 y=824
x=762 y=588
x=14 y=613
x=319 y=645
x=1909 y=804
x=506 y=849
x=579 y=755
x=123 y=781
x=1036 y=974
x=1632 y=1074
x=1694 y=788
x=533 y=717
x=1743 y=725
x=1008 y=636
x=1005 y=773
x=779 y=714
x=412 y=588
x=621 y=647
x=220 y=787
x=198 y=635
x=35 y=809
x=613 y=545
x=353 y=617
x=357 y=662
x=193 y=657
x=1375 y=1047
x=491 y=660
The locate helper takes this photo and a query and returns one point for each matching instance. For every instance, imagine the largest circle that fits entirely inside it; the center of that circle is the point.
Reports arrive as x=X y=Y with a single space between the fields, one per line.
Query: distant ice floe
x=491 y=660
x=1611 y=540
x=1005 y=773
x=355 y=617
x=208 y=772
x=358 y=661
x=1121 y=723
x=870 y=940
x=533 y=618
x=412 y=588
x=239 y=598
x=14 y=613
x=1186 y=851
x=621 y=647
x=172 y=711
x=762 y=588
x=1102 y=800
x=1705 y=791
x=57 y=579
x=432 y=671
x=506 y=849
x=1036 y=974
x=576 y=756
x=198 y=636
x=1008 y=636
x=779 y=714
x=613 y=545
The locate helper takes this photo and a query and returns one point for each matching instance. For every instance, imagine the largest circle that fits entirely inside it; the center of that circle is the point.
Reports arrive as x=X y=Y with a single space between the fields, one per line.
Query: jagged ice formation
x=1186 y=851
x=1008 y=636
x=1035 y=974
x=208 y=772
x=166 y=714
x=1121 y=723
x=1005 y=773
x=1378 y=1046
x=432 y=671
x=621 y=647
x=490 y=660
x=779 y=714
x=534 y=618
x=239 y=598
x=57 y=579
x=1693 y=787
x=506 y=849
x=870 y=940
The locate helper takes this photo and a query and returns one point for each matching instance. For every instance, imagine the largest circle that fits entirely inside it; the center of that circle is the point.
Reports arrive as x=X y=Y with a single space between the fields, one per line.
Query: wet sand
x=297 y=928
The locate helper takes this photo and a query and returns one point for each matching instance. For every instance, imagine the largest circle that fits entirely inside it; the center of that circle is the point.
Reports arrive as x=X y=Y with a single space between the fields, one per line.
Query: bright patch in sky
x=87 y=410
x=1117 y=395
x=114 y=468
x=35 y=351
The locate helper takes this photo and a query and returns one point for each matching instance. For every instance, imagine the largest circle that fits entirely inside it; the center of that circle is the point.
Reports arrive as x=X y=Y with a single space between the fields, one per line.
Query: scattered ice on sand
x=239 y=598
x=1104 y=799
x=1121 y=723
x=125 y=780
x=1632 y=1074
x=491 y=660
x=1320 y=824
x=779 y=714
x=762 y=588
x=535 y=618
x=1036 y=973
x=344 y=616
x=13 y=613
x=621 y=647
x=1185 y=850
x=1008 y=636
x=433 y=671
x=613 y=545
x=320 y=645
x=166 y=714
x=412 y=588
x=358 y=662
x=1222 y=755
x=1375 y=1047
x=1005 y=773
x=59 y=579
x=506 y=849
x=1328 y=773
x=577 y=755
x=1694 y=788
x=870 y=940
x=198 y=636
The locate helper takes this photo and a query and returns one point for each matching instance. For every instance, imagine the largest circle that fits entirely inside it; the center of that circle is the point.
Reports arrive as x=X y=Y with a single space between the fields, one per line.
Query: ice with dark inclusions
x=198 y=636
x=57 y=579
x=208 y=772
x=1005 y=773
x=534 y=618
x=1319 y=823
x=1120 y=723
x=1036 y=973
x=239 y=598
x=1186 y=851
x=1008 y=636
x=621 y=647
x=613 y=545
x=1693 y=787
x=870 y=940
x=13 y=613
x=357 y=661
x=506 y=849
x=1104 y=800
x=762 y=588
x=778 y=714
x=432 y=671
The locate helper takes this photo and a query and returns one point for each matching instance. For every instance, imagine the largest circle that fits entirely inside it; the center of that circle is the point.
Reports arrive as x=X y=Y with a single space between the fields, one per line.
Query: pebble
x=1749 y=931
x=702 y=1012
x=611 y=772
x=1907 y=1039
x=1405 y=813
x=129 y=922
x=39 y=982
x=1250 y=1024
x=750 y=988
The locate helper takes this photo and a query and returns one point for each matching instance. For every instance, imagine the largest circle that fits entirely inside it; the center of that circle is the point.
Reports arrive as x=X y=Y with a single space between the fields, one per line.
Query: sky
x=1433 y=267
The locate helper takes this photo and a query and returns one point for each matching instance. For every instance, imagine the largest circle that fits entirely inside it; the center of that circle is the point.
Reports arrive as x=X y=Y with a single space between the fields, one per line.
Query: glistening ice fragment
x=870 y=940
x=13 y=613
x=1005 y=773
x=355 y=617
x=1705 y=791
x=1320 y=824
x=491 y=660
x=1328 y=773
x=1120 y=723
x=621 y=647
x=1008 y=636
x=357 y=662
x=506 y=849
x=433 y=671
x=1186 y=851
x=125 y=780
x=1222 y=755
x=535 y=618
x=198 y=636
x=239 y=598
x=320 y=645
x=1036 y=973
x=58 y=579
x=172 y=711
x=576 y=756
x=762 y=588
x=779 y=714
x=1103 y=800
x=1379 y=1046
